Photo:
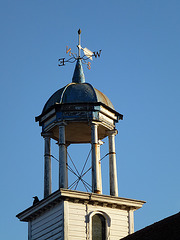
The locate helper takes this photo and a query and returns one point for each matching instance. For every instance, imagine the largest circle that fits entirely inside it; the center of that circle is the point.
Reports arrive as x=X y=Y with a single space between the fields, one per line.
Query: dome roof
x=77 y=92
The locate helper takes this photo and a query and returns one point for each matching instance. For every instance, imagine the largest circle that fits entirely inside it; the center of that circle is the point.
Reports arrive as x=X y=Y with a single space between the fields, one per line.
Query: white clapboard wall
x=49 y=225
x=71 y=221
x=79 y=224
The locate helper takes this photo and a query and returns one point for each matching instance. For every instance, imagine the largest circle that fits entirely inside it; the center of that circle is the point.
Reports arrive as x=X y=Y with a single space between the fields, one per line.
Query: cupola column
x=47 y=165
x=99 y=158
x=62 y=156
x=95 y=159
x=112 y=163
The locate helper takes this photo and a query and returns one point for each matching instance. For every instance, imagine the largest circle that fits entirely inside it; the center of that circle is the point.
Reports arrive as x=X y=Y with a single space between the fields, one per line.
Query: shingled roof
x=166 y=229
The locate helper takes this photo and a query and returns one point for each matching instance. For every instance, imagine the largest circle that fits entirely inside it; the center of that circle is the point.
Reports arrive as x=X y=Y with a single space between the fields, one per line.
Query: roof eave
x=61 y=194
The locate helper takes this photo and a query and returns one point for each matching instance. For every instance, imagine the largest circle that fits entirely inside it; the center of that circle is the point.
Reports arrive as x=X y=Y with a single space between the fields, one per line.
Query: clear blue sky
x=139 y=70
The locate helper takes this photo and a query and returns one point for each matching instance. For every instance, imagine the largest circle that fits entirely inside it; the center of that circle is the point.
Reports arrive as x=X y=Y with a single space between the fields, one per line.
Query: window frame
x=107 y=223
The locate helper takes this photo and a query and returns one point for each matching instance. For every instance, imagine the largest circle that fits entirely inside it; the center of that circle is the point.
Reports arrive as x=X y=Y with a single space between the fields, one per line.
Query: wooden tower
x=75 y=114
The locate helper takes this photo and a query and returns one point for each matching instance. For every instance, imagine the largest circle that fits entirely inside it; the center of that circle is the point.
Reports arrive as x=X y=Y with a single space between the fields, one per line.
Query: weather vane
x=73 y=56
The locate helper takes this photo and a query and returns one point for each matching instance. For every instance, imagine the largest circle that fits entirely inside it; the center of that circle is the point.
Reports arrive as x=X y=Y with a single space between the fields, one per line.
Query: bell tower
x=75 y=114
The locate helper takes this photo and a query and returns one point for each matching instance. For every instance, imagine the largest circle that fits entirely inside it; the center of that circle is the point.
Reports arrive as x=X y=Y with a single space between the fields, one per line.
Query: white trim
x=124 y=203
x=50 y=120
x=47 y=115
x=108 y=223
x=66 y=222
x=29 y=231
x=131 y=221
x=108 y=113
x=62 y=95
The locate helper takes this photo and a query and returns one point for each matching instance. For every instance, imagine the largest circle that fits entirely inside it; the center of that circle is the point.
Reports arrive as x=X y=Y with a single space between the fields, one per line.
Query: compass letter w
x=97 y=54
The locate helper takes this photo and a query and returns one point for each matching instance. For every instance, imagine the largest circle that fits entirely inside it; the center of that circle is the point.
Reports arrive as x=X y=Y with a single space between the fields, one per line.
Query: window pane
x=98 y=227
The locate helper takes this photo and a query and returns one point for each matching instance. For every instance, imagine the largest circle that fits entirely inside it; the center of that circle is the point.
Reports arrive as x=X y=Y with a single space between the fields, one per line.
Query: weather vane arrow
x=88 y=54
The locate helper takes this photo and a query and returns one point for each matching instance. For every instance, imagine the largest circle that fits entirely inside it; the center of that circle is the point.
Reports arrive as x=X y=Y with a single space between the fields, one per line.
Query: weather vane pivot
x=88 y=54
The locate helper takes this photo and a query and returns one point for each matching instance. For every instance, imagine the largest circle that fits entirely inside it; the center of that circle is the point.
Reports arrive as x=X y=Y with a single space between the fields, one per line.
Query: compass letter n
x=68 y=50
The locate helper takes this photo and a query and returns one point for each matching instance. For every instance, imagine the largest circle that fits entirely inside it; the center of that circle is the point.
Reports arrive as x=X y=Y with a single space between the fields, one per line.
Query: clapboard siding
x=48 y=234
x=48 y=213
x=77 y=221
x=72 y=221
x=49 y=225
x=119 y=221
x=78 y=226
x=45 y=222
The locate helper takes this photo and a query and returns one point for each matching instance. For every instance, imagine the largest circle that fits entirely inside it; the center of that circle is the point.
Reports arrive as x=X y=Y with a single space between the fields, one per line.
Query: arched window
x=98 y=227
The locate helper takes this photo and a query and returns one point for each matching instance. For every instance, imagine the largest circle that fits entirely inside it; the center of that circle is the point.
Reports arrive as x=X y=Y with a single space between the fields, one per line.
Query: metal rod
x=84 y=185
x=86 y=161
x=86 y=172
x=79 y=42
x=71 y=186
x=87 y=187
x=70 y=169
x=73 y=164
x=87 y=183
x=77 y=184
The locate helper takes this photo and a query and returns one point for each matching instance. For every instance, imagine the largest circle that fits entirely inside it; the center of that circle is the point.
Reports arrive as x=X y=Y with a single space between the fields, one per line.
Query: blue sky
x=138 y=70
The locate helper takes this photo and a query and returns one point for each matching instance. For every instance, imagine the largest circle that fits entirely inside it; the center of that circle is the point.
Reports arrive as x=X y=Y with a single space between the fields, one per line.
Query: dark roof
x=166 y=229
x=77 y=93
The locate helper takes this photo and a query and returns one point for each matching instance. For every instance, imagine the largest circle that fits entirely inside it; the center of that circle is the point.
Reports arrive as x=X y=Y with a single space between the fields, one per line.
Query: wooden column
x=131 y=221
x=47 y=165
x=62 y=157
x=95 y=159
x=99 y=158
x=67 y=145
x=112 y=163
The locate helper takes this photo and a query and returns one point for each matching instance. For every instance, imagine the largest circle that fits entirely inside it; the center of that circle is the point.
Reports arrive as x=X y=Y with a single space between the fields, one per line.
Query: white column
x=47 y=165
x=62 y=156
x=99 y=158
x=67 y=145
x=112 y=163
x=131 y=221
x=95 y=159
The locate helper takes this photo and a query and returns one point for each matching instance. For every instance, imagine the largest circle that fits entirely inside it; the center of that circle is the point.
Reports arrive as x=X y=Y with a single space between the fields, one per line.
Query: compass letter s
x=89 y=65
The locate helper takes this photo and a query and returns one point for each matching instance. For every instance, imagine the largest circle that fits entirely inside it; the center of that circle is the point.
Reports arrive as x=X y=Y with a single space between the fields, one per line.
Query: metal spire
x=78 y=76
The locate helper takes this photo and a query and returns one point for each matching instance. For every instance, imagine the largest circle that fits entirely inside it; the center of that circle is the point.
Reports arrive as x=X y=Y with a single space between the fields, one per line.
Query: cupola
x=79 y=113
x=75 y=114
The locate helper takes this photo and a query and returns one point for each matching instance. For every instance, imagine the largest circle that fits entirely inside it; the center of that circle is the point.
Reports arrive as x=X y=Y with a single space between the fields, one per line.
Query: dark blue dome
x=77 y=93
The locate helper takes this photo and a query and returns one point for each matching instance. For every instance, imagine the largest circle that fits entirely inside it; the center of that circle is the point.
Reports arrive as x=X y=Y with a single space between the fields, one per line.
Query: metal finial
x=79 y=43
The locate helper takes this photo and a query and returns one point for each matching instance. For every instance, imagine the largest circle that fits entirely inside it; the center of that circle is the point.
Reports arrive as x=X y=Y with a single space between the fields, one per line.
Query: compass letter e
x=61 y=62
